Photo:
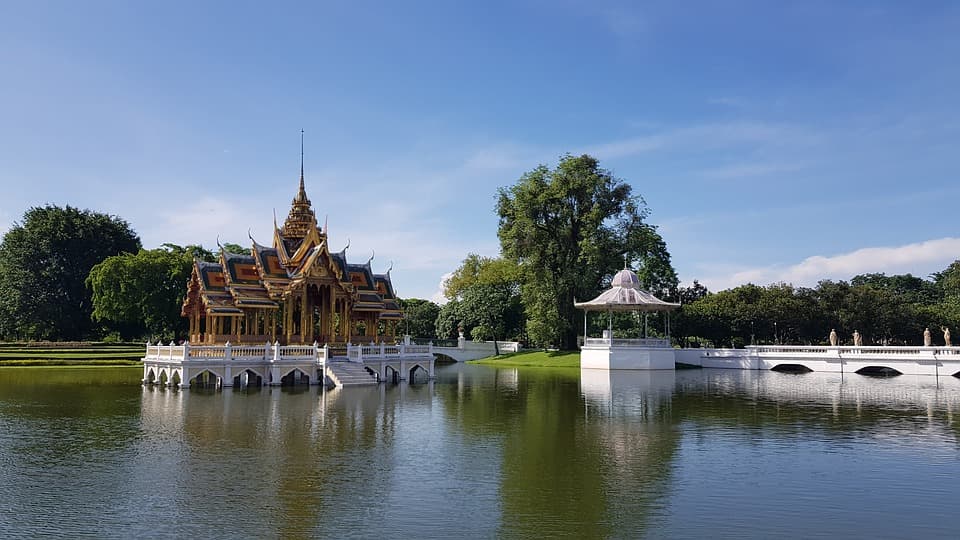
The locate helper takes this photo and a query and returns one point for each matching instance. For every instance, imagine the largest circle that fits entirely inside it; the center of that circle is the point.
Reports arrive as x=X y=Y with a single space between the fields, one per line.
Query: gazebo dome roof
x=626 y=278
x=625 y=294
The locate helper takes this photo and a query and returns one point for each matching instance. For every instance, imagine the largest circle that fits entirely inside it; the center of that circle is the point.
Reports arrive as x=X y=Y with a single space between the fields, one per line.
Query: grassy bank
x=74 y=362
x=533 y=359
x=70 y=354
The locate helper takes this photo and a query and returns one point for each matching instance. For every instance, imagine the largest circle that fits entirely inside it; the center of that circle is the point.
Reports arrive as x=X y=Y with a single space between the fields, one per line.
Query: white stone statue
x=857 y=339
x=946 y=336
x=833 y=338
x=927 y=338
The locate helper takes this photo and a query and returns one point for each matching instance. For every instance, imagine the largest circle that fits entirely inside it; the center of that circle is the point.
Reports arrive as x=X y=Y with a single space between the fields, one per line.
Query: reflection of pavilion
x=608 y=352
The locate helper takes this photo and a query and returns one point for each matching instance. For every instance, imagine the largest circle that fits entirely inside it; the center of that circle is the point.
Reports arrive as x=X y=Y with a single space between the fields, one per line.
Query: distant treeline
x=78 y=275
x=892 y=310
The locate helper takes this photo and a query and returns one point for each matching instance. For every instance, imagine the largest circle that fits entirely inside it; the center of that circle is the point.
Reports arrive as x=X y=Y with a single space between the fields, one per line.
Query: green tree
x=139 y=295
x=419 y=317
x=477 y=270
x=236 y=249
x=448 y=320
x=44 y=262
x=569 y=229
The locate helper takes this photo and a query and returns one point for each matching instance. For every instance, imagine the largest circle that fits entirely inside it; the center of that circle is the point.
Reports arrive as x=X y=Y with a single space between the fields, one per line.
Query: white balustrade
x=625 y=342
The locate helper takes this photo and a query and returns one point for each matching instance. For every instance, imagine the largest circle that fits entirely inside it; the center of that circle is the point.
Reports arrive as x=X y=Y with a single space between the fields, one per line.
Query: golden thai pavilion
x=296 y=291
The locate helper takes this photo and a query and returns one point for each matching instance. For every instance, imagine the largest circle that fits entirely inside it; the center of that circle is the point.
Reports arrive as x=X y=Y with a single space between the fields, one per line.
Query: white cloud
x=438 y=297
x=919 y=259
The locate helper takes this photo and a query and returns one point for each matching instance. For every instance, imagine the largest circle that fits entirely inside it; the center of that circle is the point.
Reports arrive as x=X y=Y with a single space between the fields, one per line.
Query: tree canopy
x=568 y=230
x=883 y=309
x=44 y=263
x=419 y=317
x=484 y=299
x=139 y=295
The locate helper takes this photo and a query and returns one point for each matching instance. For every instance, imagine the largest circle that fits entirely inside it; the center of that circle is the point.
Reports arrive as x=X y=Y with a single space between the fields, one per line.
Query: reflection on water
x=482 y=452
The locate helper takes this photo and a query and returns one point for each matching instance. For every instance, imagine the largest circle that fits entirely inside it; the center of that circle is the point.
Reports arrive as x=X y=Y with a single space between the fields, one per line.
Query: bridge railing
x=821 y=350
x=359 y=353
x=626 y=342
x=267 y=352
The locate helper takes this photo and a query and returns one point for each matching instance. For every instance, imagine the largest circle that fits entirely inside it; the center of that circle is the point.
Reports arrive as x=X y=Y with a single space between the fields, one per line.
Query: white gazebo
x=608 y=352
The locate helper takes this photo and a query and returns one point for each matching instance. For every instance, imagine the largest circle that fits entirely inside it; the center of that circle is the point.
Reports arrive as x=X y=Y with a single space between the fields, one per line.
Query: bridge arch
x=175 y=378
x=372 y=372
x=391 y=374
x=791 y=368
x=162 y=377
x=879 y=371
x=248 y=377
x=151 y=376
x=294 y=376
x=412 y=378
x=206 y=378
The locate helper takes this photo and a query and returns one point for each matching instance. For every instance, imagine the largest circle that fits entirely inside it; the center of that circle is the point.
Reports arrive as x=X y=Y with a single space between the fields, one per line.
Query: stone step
x=349 y=374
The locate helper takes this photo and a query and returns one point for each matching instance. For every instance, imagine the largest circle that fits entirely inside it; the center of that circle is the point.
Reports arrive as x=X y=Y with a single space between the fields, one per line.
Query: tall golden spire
x=301 y=217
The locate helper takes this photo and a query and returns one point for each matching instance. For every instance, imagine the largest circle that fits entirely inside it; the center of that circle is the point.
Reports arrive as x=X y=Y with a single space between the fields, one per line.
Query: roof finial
x=625 y=261
x=302 y=190
x=372 y=255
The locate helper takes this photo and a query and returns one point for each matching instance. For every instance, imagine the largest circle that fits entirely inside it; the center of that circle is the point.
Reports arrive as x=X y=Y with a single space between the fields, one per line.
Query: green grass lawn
x=44 y=354
x=42 y=362
x=533 y=359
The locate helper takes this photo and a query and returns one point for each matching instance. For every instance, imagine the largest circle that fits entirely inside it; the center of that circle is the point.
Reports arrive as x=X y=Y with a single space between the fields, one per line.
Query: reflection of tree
x=568 y=468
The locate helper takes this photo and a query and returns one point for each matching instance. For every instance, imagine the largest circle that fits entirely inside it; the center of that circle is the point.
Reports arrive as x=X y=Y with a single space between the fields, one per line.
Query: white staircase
x=344 y=373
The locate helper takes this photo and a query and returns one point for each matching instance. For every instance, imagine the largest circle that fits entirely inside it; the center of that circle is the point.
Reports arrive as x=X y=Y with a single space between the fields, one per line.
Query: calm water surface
x=483 y=453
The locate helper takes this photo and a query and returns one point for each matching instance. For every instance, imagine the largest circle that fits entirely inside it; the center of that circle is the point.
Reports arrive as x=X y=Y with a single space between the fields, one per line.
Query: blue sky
x=771 y=140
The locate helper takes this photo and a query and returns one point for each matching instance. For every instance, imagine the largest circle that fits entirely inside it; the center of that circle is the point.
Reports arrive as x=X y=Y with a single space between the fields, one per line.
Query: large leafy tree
x=569 y=229
x=44 y=261
x=419 y=317
x=139 y=295
x=484 y=294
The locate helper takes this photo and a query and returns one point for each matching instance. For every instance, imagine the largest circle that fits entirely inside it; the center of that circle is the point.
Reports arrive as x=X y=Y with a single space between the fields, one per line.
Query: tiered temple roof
x=297 y=276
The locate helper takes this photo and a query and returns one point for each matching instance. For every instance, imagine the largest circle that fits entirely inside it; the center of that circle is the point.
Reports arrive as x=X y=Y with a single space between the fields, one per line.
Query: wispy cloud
x=920 y=258
x=749 y=170
x=705 y=136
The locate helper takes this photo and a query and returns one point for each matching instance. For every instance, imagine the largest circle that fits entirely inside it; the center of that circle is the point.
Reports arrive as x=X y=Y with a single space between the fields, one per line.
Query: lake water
x=483 y=453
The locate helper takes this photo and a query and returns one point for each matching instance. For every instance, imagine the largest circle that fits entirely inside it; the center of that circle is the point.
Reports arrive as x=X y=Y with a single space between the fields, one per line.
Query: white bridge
x=847 y=359
x=475 y=350
x=274 y=364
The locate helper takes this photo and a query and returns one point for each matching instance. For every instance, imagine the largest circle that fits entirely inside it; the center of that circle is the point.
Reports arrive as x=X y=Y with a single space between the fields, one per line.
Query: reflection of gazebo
x=625 y=294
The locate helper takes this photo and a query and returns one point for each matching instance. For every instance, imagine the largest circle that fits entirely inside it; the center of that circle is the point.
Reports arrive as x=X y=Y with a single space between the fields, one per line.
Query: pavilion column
x=287 y=309
x=273 y=324
x=306 y=328
x=331 y=313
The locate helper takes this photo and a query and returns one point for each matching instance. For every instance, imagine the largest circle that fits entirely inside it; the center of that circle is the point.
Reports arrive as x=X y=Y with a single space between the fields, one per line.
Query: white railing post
x=226 y=352
x=276 y=351
x=186 y=350
x=430 y=346
x=326 y=354
x=383 y=352
x=266 y=352
x=170 y=352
